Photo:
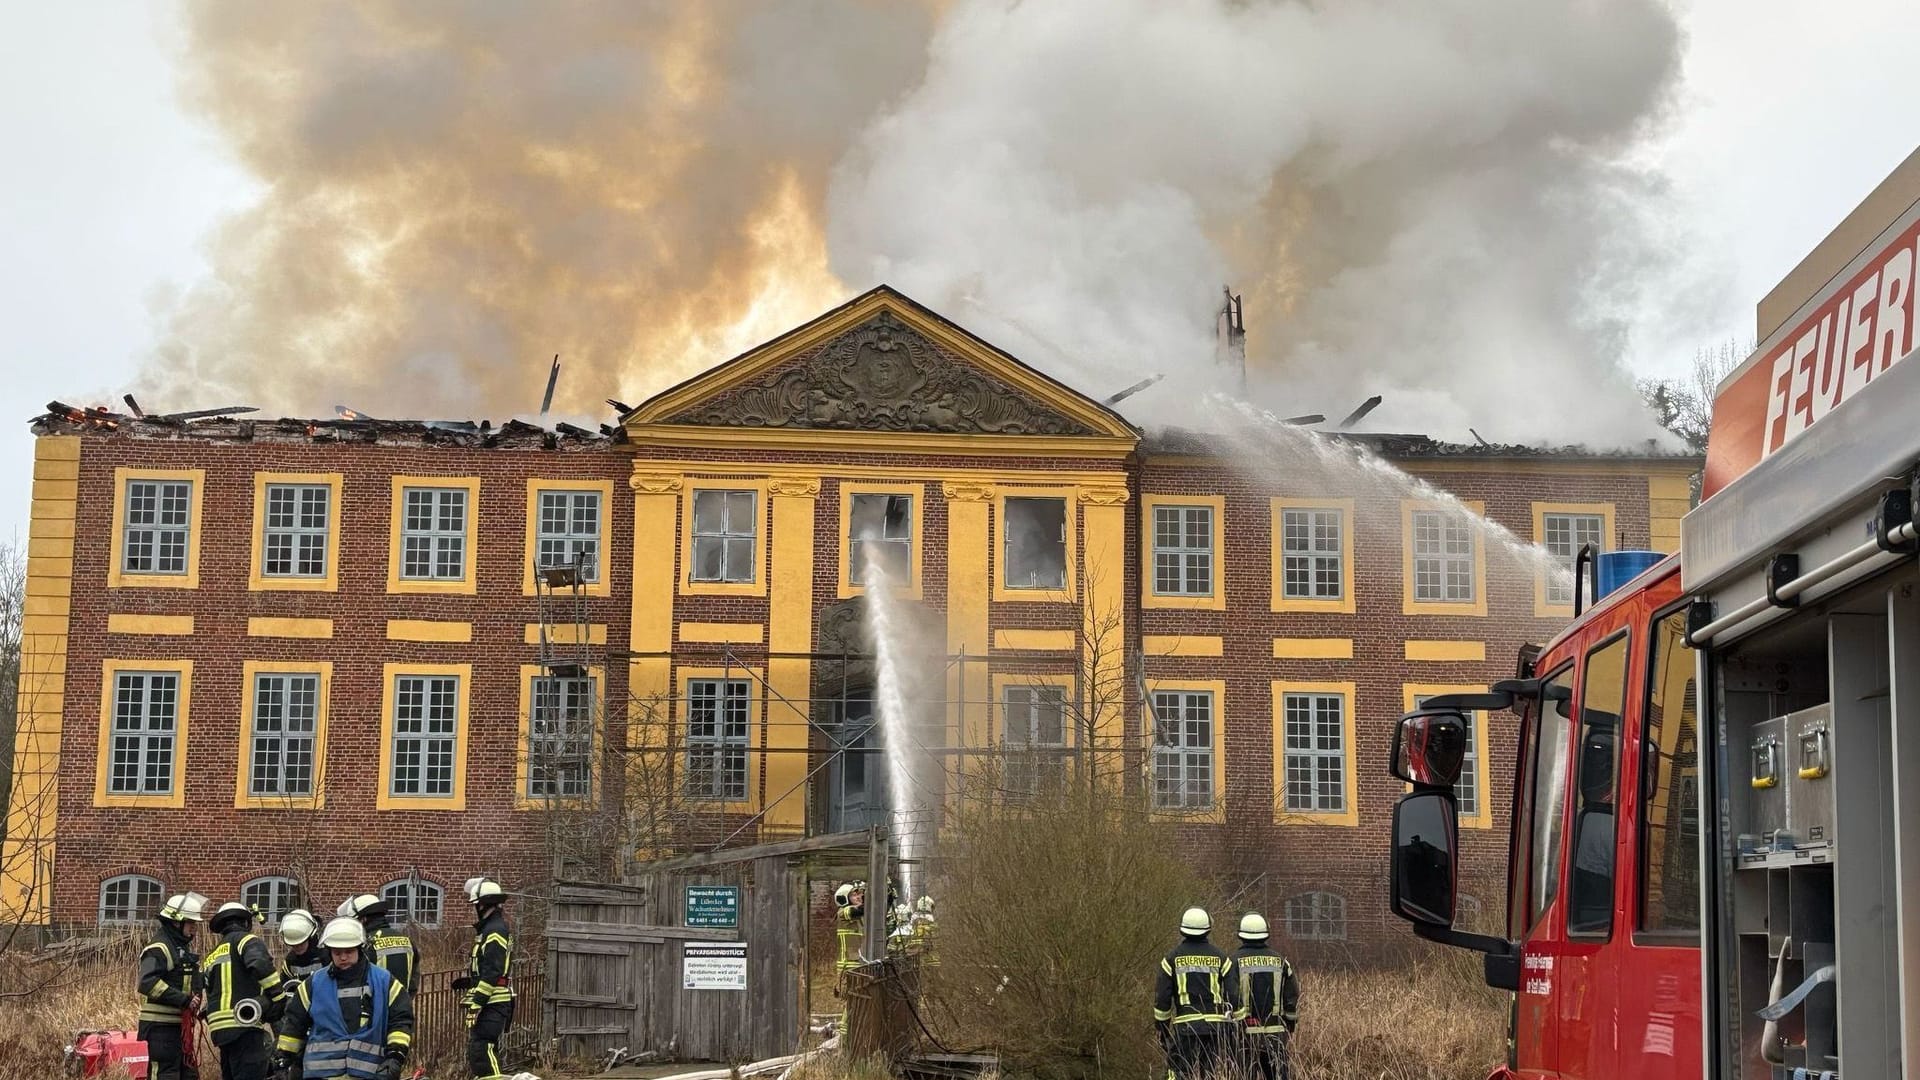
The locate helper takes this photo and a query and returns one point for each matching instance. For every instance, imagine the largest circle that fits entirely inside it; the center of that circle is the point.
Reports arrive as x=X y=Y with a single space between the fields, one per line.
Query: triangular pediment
x=881 y=364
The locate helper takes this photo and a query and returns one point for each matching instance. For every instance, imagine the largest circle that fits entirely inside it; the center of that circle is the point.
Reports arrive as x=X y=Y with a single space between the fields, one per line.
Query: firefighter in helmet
x=241 y=985
x=850 y=900
x=1193 y=999
x=488 y=984
x=349 y=1019
x=1269 y=1002
x=301 y=932
x=387 y=946
x=169 y=983
x=923 y=928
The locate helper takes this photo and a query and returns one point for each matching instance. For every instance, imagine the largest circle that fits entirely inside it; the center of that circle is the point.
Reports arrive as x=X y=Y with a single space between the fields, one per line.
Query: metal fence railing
x=440 y=1017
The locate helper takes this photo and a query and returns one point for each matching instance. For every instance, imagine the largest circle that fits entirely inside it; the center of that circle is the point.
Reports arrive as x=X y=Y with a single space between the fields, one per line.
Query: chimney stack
x=1230 y=339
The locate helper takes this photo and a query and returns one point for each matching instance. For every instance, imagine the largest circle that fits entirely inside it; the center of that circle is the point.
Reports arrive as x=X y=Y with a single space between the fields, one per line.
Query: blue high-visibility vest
x=332 y=1050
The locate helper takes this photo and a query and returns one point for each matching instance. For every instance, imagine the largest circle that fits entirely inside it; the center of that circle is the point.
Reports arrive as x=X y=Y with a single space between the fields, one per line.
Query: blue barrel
x=1613 y=569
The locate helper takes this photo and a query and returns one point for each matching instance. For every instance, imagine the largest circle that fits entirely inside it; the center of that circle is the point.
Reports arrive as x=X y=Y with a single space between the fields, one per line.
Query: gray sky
x=1789 y=115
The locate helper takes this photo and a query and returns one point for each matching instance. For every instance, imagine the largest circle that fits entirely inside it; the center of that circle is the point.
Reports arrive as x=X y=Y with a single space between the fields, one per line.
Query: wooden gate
x=617 y=956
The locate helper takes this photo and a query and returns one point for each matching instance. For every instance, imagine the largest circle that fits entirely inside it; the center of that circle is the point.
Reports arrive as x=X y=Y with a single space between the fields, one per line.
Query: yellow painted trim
x=656 y=504
x=289 y=628
x=1182 y=645
x=1446 y=650
x=1312 y=648
x=384 y=798
x=790 y=597
x=1481 y=772
x=776 y=469
x=1036 y=640
x=567 y=634
x=1103 y=624
x=164 y=625
x=1349 y=585
x=915 y=546
x=756 y=735
x=997 y=720
x=116 y=548
x=646 y=423
x=1408 y=605
x=602 y=587
x=1218 y=688
x=1284 y=816
x=762 y=537
x=1542 y=609
x=242 y=798
x=1070 y=496
x=813 y=440
x=110 y=671
x=467 y=585
x=969 y=710
x=257 y=579
x=1669 y=498
x=723 y=633
x=523 y=747
x=429 y=630
x=1214 y=601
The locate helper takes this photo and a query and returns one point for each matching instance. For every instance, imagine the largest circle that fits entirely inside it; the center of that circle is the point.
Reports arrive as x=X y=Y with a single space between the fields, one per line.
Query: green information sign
x=715 y=906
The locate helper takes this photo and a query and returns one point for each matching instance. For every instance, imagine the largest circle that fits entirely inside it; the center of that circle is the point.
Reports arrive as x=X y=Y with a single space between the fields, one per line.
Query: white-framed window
x=146 y=723
x=1183 y=765
x=725 y=525
x=1183 y=551
x=880 y=531
x=272 y=897
x=1317 y=916
x=286 y=715
x=433 y=534
x=718 y=715
x=1035 y=738
x=560 y=738
x=1312 y=554
x=298 y=519
x=569 y=532
x=1466 y=792
x=128 y=899
x=412 y=902
x=159 y=523
x=1316 y=737
x=1442 y=558
x=426 y=719
x=1035 y=543
x=1564 y=535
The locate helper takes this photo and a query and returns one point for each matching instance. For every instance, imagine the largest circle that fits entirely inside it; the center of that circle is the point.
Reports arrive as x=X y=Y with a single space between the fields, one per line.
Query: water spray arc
x=892 y=698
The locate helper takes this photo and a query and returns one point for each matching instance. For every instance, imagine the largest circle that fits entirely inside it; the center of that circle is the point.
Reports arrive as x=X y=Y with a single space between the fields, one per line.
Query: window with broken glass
x=1035 y=544
x=880 y=531
x=724 y=528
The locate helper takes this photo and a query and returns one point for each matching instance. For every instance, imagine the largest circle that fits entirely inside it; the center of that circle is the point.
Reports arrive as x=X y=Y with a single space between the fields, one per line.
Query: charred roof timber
x=350 y=427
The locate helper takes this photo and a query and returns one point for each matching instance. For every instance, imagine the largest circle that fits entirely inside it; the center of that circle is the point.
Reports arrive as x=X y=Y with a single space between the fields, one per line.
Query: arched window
x=413 y=902
x=1317 y=916
x=272 y=897
x=129 y=898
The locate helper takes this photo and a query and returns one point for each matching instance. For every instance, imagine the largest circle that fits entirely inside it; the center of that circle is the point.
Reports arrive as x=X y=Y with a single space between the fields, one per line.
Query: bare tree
x=1684 y=405
x=13 y=604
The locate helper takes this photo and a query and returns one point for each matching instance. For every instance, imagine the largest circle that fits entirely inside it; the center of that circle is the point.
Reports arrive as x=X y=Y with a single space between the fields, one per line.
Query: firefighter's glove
x=389 y=1069
x=464 y=982
x=475 y=1001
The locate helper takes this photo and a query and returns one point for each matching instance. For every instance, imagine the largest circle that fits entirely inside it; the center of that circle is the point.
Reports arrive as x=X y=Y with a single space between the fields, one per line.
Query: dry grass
x=45 y=1002
x=1431 y=1019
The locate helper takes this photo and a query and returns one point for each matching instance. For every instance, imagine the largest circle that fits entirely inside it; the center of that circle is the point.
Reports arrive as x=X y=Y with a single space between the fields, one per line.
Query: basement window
x=1317 y=916
x=880 y=533
x=1035 y=543
x=412 y=902
x=128 y=899
x=272 y=897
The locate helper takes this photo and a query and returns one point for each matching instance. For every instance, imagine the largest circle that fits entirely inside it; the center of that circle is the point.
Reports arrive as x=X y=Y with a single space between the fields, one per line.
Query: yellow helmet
x=1253 y=927
x=344 y=933
x=1195 y=922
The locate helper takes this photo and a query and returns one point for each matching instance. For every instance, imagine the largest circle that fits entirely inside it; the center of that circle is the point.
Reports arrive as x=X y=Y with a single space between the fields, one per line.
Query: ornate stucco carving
x=883 y=376
x=794 y=487
x=655 y=483
x=1103 y=496
x=966 y=491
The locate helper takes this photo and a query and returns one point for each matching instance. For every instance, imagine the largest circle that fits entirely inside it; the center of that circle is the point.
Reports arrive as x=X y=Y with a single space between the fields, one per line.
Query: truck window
x=1603 y=698
x=1549 y=788
x=1669 y=782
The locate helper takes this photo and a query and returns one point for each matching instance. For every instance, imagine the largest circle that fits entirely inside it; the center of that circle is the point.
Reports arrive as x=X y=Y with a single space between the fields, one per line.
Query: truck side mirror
x=1425 y=871
x=1429 y=747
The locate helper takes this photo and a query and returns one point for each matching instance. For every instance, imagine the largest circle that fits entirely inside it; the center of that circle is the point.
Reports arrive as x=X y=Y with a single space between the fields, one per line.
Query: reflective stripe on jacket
x=392 y=951
x=1269 y=993
x=168 y=970
x=331 y=1049
x=1195 y=985
x=850 y=934
x=491 y=963
x=238 y=969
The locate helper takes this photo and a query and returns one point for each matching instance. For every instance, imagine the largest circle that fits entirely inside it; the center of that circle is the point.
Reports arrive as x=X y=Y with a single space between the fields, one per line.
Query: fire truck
x=1715 y=835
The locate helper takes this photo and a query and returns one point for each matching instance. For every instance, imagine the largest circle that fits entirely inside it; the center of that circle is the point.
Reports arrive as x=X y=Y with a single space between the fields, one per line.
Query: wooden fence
x=440 y=1018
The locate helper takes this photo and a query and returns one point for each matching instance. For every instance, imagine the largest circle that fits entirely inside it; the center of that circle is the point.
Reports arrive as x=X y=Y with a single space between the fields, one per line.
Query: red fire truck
x=1715 y=842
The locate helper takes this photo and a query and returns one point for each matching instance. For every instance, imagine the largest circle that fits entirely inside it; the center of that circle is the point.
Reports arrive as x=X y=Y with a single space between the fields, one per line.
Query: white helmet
x=344 y=933
x=1253 y=927
x=359 y=907
x=902 y=912
x=844 y=894
x=233 y=911
x=184 y=907
x=297 y=927
x=925 y=904
x=1195 y=922
x=484 y=888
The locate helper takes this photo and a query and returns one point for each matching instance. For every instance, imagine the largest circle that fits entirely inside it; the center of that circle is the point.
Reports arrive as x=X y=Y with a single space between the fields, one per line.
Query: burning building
x=284 y=661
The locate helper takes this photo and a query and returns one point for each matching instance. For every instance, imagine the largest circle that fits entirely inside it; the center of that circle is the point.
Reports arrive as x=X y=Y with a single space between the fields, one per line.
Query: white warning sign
x=714 y=965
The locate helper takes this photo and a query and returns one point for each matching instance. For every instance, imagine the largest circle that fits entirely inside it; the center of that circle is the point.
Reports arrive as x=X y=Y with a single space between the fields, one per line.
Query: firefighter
x=923 y=927
x=301 y=931
x=489 y=982
x=1269 y=1002
x=241 y=982
x=388 y=947
x=349 y=1019
x=900 y=932
x=1193 y=999
x=170 y=984
x=851 y=900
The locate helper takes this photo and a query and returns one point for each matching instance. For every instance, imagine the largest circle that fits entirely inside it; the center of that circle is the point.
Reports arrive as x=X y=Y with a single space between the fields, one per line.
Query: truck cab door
x=1535 y=904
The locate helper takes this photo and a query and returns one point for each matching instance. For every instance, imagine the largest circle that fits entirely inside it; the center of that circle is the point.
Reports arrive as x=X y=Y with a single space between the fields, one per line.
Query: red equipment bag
x=93 y=1052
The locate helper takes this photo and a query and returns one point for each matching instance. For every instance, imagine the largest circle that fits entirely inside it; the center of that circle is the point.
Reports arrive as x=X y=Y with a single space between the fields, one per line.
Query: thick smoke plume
x=1431 y=201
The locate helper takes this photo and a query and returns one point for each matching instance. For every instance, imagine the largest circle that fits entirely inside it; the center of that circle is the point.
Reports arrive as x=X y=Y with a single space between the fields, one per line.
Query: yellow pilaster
x=26 y=862
x=1668 y=500
x=656 y=505
x=1103 y=524
x=969 y=715
x=789 y=630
